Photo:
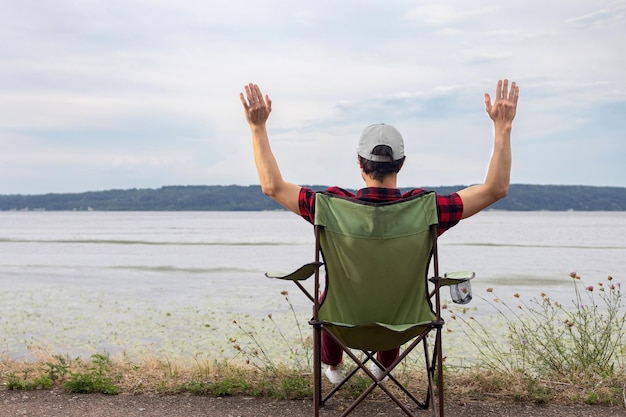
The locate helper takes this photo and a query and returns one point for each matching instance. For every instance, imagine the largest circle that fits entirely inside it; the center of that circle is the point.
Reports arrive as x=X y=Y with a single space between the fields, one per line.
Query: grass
x=551 y=354
x=93 y=377
x=546 y=338
x=552 y=349
x=159 y=376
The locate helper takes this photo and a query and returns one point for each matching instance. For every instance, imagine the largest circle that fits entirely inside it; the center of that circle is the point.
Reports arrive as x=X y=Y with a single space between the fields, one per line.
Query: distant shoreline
x=521 y=197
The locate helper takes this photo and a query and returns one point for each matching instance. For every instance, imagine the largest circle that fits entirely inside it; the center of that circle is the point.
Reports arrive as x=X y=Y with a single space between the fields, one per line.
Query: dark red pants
x=332 y=353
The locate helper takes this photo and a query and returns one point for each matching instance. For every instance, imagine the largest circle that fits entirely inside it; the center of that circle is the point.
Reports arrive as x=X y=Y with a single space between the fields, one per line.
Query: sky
x=110 y=94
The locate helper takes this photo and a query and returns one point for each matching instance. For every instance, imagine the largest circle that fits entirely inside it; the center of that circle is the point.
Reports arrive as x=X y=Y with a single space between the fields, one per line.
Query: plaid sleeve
x=450 y=211
x=306 y=202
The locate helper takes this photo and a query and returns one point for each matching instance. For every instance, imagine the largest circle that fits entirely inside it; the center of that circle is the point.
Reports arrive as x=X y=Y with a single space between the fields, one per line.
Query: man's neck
x=390 y=181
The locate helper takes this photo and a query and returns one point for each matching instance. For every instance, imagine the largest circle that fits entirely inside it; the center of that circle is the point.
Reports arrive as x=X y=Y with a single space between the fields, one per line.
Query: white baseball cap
x=381 y=134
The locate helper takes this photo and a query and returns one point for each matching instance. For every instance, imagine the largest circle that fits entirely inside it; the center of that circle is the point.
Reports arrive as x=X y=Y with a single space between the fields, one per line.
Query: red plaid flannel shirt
x=449 y=207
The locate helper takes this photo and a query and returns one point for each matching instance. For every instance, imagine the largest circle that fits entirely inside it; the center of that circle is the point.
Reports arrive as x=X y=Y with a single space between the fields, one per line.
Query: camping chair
x=377 y=294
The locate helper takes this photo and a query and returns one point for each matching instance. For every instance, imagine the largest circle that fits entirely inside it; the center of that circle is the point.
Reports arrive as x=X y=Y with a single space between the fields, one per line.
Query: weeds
x=257 y=354
x=60 y=368
x=552 y=348
x=547 y=340
x=39 y=376
x=98 y=378
x=16 y=383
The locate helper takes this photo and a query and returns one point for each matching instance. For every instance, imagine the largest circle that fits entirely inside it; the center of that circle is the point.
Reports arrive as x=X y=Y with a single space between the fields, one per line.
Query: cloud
x=445 y=14
x=145 y=93
x=612 y=12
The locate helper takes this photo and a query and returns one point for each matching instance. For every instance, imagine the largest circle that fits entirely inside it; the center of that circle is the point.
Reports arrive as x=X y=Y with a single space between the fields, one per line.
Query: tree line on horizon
x=521 y=197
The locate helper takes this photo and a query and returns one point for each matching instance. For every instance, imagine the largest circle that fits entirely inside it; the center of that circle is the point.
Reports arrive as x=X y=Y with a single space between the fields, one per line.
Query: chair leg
x=376 y=383
x=432 y=364
x=436 y=365
x=439 y=359
x=361 y=365
x=430 y=371
x=317 y=369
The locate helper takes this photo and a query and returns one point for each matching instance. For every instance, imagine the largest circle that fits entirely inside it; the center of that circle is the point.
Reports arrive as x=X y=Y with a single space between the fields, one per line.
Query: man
x=381 y=156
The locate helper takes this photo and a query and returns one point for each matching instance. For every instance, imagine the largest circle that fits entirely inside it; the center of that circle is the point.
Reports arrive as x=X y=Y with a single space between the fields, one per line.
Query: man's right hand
x=503 y=110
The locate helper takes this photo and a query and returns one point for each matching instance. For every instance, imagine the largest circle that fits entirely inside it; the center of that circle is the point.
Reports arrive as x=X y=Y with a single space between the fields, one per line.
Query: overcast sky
x=113 y=94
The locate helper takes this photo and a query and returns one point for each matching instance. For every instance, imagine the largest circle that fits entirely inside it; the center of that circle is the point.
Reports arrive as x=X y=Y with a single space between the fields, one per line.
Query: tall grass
x=580 y=344
x=251 y=343
x=546 y=338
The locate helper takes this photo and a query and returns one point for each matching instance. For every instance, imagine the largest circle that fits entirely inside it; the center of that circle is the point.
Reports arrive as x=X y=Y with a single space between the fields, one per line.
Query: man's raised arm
x=257 y=110
x=502 y=112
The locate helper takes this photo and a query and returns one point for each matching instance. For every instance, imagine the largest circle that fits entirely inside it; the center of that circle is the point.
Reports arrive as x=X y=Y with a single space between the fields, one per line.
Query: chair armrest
x=300 y=274
x=453 y=278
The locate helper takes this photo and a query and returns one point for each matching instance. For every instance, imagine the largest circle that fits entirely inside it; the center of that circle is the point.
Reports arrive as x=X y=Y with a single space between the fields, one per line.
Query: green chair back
x=376 y=258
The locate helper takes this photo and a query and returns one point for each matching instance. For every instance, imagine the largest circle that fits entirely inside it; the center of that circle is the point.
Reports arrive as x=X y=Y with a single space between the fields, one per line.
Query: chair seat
x=378 y=336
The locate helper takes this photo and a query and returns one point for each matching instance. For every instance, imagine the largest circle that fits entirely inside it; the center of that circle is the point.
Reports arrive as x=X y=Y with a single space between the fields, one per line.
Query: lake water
x=171 y=283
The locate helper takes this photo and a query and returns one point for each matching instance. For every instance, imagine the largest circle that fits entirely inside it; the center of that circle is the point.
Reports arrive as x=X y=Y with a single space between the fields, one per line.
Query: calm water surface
x=171 y=283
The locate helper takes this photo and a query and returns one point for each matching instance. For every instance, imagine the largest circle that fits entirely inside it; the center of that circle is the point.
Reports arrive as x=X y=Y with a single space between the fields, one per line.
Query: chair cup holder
x=461 y=293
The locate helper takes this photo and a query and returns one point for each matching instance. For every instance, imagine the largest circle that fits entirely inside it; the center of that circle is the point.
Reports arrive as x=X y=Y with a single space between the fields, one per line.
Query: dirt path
x=61 y=404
